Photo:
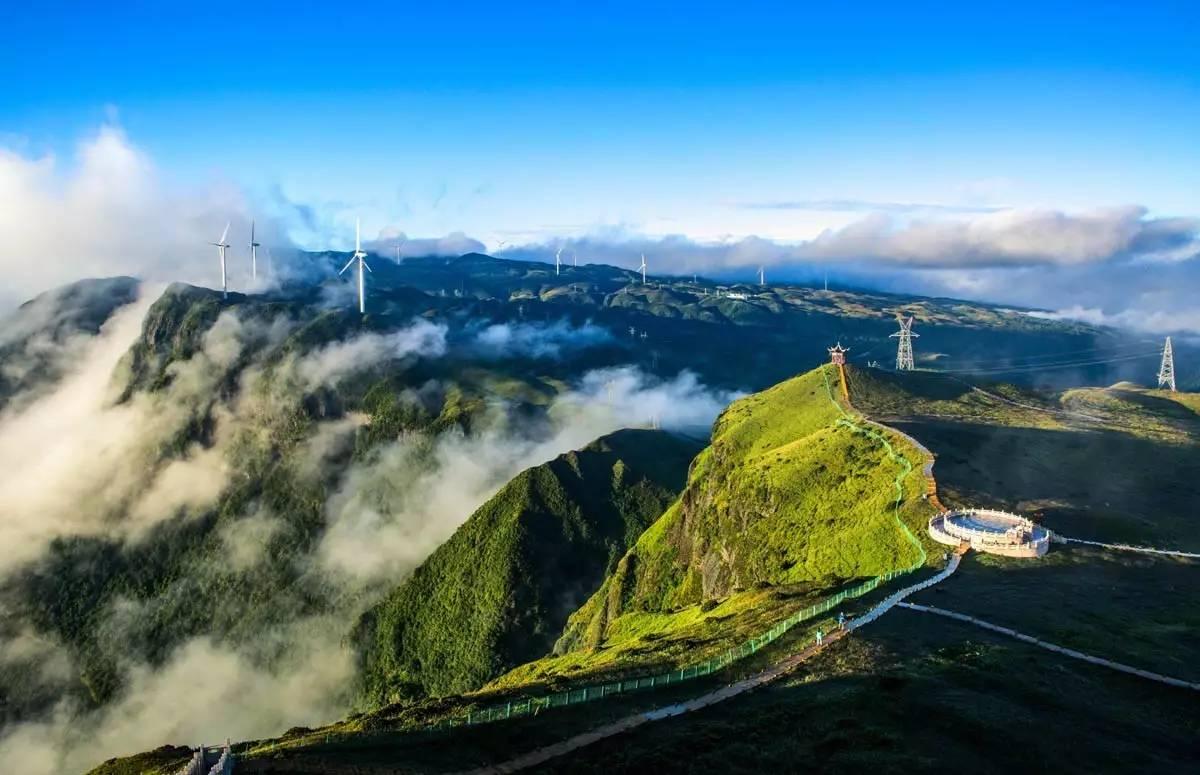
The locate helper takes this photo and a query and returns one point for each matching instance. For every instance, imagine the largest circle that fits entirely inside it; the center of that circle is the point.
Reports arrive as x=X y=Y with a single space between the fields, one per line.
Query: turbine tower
x=399 y=245
x=360 y=257
x=1166 y=372
x=253 y=253
x=762 y=279
x=221 y=245
x=643 y=269
x=558 y=261
x=904 y=353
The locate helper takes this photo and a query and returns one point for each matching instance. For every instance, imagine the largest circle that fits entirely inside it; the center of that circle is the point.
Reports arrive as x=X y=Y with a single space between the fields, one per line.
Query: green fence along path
x=533 y=705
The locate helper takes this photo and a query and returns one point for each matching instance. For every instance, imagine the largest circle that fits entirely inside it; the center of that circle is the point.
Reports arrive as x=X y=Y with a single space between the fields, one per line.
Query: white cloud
x=333 y=361
x=203 y=694
x=538 y=340
x=110 y=212
x=993 y=239
x=392 y=511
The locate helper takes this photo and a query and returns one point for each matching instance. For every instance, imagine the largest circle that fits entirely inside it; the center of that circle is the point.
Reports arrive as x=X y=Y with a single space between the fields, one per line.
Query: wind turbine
x=398 y=246
x=643 y=269
x=221 y=245
x=575 y=258
x=360 y=257
x=557 y=260
x=253 y=253
x=761 y=278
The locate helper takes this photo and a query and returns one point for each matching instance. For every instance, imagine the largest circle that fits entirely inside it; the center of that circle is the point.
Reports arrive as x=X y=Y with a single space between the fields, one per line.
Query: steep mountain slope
x=783 y=495
x=782 y=508
x=240 y=478
x=787 y=505
x=39 y=340
x=230 y=490
x=498 y=592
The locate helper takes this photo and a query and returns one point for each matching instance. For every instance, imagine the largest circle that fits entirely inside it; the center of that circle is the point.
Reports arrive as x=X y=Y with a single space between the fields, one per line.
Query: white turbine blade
x=348 y=263
x=357 y=233
x=367 y=266
x=251 y=233
x=225 y=233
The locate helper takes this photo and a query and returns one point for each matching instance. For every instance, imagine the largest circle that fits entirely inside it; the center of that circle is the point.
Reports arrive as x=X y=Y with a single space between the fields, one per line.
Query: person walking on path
x=841 y=620
x=820 y=637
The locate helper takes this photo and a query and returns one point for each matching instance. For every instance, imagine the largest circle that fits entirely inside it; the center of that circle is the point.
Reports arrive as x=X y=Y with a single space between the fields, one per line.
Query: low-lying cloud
x=102 y=474
x=538 y=340
x=332 y=361
x=393 y=510
x=1007 y=238
x=203 y=694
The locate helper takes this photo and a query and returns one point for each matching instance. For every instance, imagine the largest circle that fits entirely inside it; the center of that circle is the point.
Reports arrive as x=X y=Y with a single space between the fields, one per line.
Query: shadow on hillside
x=1158 y=405
x=1130 y=607
x=915 y=693
x=1097 y=485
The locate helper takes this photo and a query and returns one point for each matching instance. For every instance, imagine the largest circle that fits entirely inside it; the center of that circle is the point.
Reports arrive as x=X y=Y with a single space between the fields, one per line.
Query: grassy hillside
x=745 y=544
x=498 y=592
x=785 y=503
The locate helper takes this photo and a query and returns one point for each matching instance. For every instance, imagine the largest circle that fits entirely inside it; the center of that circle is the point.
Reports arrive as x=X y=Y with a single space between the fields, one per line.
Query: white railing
x=224 y=765
x=1023 y=533
x=195 y=766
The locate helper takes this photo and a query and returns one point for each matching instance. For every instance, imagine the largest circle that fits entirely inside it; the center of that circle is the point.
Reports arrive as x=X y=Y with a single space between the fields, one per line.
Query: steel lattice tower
x=1166 y=372
x=904 y=353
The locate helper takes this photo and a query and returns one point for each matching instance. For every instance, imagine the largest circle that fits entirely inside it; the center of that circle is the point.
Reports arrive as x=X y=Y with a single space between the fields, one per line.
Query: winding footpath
x=1165 y=679
x=632 y=721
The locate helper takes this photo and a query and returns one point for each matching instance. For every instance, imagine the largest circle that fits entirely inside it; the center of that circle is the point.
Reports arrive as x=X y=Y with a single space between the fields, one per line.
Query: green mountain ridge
x=782 y=495
x=499 y=591
x=765 y=524
x=746 y=540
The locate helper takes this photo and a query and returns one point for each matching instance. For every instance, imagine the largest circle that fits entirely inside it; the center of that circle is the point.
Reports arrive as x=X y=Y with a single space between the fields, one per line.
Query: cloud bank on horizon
x=111 y=213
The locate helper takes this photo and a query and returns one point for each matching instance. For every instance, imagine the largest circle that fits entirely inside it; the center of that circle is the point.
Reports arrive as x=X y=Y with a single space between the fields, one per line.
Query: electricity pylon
x=1166 y=372
x=904 y=353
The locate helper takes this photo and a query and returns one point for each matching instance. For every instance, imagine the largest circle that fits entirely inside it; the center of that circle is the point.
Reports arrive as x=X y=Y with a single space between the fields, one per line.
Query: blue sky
x=493 y=119
x=1038 y=153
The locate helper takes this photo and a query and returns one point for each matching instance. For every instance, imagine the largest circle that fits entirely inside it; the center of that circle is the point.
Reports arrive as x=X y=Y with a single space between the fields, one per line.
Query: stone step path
x=541 y=755
x=1054 y=647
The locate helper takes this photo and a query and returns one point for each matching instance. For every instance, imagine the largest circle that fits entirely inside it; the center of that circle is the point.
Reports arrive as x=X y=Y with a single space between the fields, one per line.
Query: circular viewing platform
x=991 y=531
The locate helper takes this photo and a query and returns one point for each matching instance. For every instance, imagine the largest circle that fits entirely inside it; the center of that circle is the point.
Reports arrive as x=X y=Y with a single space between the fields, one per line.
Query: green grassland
x=784 y=499
x=498 y=592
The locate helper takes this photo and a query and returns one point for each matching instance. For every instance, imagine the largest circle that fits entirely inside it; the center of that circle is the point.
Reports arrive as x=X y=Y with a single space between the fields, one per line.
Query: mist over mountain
x=220 y=487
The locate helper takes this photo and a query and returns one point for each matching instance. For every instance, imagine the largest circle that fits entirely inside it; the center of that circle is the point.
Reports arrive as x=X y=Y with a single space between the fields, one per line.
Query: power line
x=1114 y=350
x=1047 y=366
